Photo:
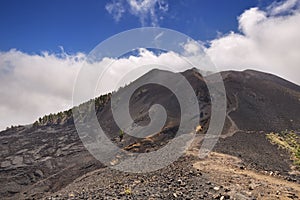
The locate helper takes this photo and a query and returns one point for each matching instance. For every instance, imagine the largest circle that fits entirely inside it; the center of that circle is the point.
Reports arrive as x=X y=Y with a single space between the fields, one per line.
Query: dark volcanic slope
x=256 y=152
x=41 y=159
x=262 y=101
x=49 y=155
x=147 y=95
x=259 y=103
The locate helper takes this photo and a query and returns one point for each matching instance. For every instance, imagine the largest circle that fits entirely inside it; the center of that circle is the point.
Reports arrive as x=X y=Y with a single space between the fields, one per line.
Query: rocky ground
x=257 y=153
x=241 y=170
x=34 y=159
x=219 y=176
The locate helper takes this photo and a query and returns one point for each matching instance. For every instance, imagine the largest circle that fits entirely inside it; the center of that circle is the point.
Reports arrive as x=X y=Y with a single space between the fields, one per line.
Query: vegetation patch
x=288 y=140
x=57 y=118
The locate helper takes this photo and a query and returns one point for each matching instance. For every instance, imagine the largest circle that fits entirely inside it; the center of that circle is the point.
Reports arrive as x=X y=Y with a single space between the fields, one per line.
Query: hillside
x=48 y=157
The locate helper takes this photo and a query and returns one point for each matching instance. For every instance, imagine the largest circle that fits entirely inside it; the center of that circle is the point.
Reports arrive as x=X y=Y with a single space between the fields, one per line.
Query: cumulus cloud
x=266 y=42
x=191 y=48
x=34 y=85
x=149 y=12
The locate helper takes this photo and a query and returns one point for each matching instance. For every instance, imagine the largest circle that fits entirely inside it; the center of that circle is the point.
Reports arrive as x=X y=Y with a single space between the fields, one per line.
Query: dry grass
x=290 y=141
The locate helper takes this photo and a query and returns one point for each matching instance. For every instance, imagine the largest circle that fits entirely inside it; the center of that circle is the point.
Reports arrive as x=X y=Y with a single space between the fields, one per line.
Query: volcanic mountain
x=48 y=156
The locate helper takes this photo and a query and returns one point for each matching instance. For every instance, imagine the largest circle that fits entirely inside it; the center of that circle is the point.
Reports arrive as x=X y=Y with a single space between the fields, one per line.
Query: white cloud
x=191 y=48
x=116 y=9
x=266 y=42
x=147 y=9
x=284 y=6
x=249 y=19
x=34 y=85
x=149 y=12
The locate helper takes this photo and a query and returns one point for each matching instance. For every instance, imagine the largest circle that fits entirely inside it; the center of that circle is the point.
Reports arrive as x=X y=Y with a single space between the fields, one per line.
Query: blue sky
x=33 y=26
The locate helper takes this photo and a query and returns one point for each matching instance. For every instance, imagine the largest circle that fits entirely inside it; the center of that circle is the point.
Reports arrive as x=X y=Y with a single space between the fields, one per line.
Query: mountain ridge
x=33 y=158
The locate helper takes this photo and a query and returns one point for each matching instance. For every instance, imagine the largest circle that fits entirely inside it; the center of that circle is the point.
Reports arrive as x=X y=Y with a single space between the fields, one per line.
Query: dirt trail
x=242 y=183
x=233 y=128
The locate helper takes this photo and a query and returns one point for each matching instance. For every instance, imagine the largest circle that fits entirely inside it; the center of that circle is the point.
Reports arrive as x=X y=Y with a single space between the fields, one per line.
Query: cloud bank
x=266 y=42
x=34 y=85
